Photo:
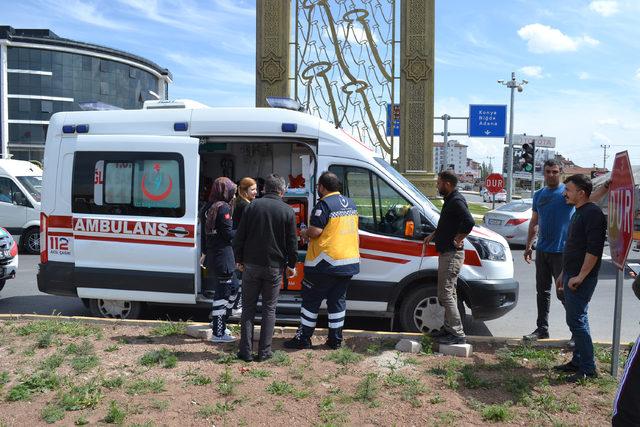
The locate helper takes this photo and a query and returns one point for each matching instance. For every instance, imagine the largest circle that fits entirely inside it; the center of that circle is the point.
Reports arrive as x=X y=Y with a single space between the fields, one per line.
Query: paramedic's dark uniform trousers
x=316 y=288
x=225 y=298
x=626 y=406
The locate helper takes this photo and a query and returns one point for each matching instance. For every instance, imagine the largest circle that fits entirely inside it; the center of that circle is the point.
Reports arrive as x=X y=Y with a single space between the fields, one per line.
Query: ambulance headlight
x=489 y=249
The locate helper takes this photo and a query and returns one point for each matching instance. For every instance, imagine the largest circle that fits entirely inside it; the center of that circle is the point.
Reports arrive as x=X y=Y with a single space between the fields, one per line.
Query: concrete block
x=199 y=331
x=409 y=346
x=460 y=350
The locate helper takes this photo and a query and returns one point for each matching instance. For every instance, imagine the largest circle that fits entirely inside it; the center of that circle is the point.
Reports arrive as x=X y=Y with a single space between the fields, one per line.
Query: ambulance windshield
x=417 y=194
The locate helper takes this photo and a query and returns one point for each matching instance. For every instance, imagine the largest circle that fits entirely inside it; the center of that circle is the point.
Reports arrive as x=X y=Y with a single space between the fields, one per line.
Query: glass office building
x=42 y=74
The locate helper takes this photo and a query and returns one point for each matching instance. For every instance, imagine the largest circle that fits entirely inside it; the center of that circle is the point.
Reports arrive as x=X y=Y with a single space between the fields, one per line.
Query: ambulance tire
x=115 y=309
x=420 y=310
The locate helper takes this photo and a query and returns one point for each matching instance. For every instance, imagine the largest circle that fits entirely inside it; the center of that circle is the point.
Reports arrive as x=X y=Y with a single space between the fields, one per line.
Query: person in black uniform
x=626 y=406
x=220 y=261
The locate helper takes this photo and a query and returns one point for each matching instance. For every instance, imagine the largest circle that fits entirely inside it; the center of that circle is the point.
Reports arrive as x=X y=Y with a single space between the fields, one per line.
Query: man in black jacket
x=264 y=244
x=454 y=225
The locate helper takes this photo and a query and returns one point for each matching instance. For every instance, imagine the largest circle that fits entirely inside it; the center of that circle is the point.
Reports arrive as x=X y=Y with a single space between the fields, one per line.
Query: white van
x=20 y=187
x=120 y=211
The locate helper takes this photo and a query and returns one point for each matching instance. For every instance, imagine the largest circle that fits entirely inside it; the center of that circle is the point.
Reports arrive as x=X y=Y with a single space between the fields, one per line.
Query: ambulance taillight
x=44 y=250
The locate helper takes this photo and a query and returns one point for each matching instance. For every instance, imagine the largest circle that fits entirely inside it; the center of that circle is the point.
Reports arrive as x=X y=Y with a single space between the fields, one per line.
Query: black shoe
x=334 y=345
x=538 y=334
x=567 y=367
x=298 y=343
x=246 y=358
x=451 y=339
x=580 y=376
x=264 y=357
x=437 y=333
x=571 y=344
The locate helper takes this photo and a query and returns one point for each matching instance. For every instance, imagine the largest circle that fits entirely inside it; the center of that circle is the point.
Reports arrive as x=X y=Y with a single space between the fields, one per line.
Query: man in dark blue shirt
x=580 y=266
x=454 y=225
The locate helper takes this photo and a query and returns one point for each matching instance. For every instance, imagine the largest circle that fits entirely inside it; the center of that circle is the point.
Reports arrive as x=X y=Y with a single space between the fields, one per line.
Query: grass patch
x=226 y=383
x=52 y=362
x=606 y=384
x=259 y=373
x=4 y=378
x=446 y=418
x=434 y=400
x=222 y=409
x=427 y=344
x=373 y=349
x=169 y=329
x=497 y=413
x=205 y=411
x=39 y=382
x=59 y=327
x=112 y=348
x=519 y=386
x=159 y=405
x=471 y=380
x=411 y=390
x=81 y=397
x=367 y=390
x=44 y=340
x=343 y=356
x=395 y=379
x=162 y=357
x=196 y=378
x=280 y=358
x=81 y=421
x=85 y=348
x=82 y=364
x=52 y=413
x=226 y=359
x=329 y=414
x=146 y=386
x=280 y=388
x=113 y=382
x=115 y=414
x=449 y=372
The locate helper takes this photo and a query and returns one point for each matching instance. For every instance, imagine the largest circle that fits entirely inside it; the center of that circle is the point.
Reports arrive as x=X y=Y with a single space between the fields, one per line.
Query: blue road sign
x=487 y=121
x=393 y=119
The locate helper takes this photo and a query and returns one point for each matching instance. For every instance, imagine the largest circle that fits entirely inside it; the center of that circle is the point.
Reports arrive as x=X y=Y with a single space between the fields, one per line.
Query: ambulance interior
x=239 y=158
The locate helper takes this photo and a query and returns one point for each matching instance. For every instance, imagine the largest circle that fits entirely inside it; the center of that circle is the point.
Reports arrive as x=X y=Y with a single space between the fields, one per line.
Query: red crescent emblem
x=156 y=197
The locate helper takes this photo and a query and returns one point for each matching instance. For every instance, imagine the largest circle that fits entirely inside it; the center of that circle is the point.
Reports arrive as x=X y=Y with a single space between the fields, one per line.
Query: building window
x=24 y=105
x=47 y=106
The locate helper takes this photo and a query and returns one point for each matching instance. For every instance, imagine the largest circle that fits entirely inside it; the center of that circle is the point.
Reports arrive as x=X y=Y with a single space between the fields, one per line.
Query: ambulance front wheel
x=420 y=311
x=115 y=309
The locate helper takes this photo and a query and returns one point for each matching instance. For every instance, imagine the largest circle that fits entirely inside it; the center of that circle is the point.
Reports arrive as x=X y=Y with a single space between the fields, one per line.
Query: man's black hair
x=551 y=163
x=582 y=182
x=448 y=176
x=330 y=181
x=274 y=184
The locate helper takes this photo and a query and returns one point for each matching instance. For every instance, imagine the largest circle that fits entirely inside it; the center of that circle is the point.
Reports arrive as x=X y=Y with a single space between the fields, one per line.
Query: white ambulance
x=120 y=206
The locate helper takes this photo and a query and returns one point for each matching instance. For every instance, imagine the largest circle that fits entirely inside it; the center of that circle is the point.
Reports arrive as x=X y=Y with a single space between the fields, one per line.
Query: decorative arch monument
x=355 y=64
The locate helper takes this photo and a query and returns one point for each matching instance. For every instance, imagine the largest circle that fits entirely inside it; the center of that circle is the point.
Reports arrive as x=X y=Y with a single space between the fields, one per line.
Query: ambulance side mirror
x=413 y=225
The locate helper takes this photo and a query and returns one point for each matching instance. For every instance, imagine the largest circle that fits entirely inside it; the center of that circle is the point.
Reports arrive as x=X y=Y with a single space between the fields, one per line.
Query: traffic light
x=527 y=157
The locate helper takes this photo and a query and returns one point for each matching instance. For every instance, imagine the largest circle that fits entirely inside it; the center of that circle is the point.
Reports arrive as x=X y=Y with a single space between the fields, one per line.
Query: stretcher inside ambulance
x=122 y=189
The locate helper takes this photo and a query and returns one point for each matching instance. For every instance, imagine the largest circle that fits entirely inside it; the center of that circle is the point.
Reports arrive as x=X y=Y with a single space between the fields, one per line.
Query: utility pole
x=604 y=157
x=511 y=84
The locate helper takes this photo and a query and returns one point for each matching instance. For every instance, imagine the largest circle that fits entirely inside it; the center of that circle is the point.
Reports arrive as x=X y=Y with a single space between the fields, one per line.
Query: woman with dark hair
x=220 y=261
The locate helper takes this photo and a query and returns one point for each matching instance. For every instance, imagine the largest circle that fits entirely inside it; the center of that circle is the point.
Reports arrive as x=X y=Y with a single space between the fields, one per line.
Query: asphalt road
x=21 y=295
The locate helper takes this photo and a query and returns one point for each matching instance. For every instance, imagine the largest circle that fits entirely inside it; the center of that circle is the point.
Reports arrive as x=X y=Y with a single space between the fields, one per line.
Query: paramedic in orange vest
x=333 y=257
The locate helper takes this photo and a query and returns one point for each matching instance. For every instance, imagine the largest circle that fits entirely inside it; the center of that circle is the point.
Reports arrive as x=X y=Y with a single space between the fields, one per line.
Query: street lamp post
x=512 y=84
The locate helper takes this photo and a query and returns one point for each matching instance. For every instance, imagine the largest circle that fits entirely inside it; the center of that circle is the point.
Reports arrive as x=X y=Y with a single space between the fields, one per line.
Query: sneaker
x=437 y=333
x=538 y=334
x=298 y=343
x=567 y=367
x=580 y=376
x=244 y=357
x=332 y=344
x=451 y=339
x=226 y=338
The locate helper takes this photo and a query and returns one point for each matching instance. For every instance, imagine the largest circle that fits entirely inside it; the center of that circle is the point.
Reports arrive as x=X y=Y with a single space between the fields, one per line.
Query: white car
x=488 y=197
x=511 y=221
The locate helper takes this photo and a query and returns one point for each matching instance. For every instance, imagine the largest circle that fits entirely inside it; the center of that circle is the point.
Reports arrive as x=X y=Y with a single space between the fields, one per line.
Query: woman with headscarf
x=220 y=261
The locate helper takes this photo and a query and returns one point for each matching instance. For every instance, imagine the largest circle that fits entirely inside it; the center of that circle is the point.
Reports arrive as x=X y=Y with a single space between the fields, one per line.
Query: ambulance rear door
x=135 y=208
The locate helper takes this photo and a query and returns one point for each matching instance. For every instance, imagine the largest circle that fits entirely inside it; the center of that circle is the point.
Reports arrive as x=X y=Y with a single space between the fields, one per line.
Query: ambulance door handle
x=178 y=231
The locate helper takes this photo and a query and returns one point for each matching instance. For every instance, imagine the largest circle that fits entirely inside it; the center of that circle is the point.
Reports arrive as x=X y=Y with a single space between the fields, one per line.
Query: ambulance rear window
x=143 y=184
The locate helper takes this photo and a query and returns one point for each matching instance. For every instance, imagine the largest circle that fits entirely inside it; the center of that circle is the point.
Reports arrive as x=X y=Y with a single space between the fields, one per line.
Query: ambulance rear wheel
x=115 y=309
x=420 y=311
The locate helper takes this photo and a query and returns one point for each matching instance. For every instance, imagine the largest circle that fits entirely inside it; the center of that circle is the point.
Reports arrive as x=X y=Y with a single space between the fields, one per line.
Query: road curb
x=282 y=330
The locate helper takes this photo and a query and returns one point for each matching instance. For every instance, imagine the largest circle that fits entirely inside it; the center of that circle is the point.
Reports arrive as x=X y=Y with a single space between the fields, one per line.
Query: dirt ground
x=67 y=373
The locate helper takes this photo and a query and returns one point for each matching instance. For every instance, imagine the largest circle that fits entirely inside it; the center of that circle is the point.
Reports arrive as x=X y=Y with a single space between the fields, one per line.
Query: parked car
x=488 y=197
x=511 y=221
x=20 y=187
x=8 y=257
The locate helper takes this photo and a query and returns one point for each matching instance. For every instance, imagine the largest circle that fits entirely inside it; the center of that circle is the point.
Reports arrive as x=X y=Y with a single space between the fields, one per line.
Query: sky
x=580 y=58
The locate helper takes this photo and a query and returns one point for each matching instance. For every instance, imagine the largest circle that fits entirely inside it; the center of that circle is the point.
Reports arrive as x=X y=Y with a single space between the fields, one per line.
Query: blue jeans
x=576 y=304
